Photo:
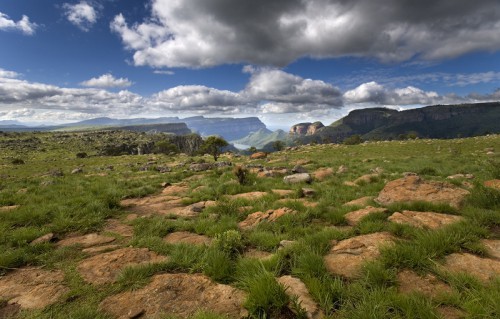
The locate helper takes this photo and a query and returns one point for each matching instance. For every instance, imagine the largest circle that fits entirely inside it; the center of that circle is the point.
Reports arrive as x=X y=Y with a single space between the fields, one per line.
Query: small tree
x=353 y=140
x=278 y=145
x=165 y=147
x=213 y=145
x=252 y=149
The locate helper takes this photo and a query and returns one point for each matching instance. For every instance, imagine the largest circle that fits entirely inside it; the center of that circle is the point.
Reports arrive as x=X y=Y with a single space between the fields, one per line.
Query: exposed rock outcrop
x=305 y=129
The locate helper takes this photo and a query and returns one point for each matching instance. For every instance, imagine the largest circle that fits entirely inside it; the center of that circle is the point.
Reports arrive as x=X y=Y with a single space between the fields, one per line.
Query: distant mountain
x=437 y=121
x=262 y=137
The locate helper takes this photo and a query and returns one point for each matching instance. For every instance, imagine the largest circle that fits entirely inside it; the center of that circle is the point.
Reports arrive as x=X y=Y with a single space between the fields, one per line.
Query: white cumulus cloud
x=107 y=81
x=83 y=14
x=24 y=25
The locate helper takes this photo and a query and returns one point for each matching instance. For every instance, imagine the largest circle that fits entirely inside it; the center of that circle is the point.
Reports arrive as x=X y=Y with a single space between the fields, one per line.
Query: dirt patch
x=485 y=269
x=424 y=219
x=258 y=254
x=105 y=268
x=99 y=249
x=32 y=288
x=428 y=285
x=284 y=192
x=86 y=241
x=322 y=173
x=248 y=196
x=188 y=238
x=9 y=310
x=179 y=189
x=448 y=312
x=303 y=201
x=353 y=218
x=494 y=183
x=367 y=179
x=296 y=288
x=412 y=188
x=271 y=215
x=346 y=257
x=180 y=295
x=117 y=227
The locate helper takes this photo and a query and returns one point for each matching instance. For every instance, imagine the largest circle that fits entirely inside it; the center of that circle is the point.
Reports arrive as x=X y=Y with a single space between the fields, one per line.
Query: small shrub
x=229 y=242
x=241 y=173
x=353 y=140
x=81 y=155
x=17 y=161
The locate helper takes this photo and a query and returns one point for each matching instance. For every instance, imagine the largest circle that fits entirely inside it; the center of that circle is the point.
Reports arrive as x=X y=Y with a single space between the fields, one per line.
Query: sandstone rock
x=32 y=288
x=8 y=208
x=258 y=155
x=117 y=227
x=175 y=189
x=248 y=196
x=188 y=238
x=157 y=204
x=368 y=178
x=286 y=243
x=428 y=285
x=413 y=188
x=86 y=241
x=350 y=184
x=456 y=176
x=283 y=192
x=296 y=288
x=322 y=174
x=258 y=254
x=105 y=268
x=78 y=170
x=180 y=295
x=271 y=215
x=424 y=219
x=492 y=247
x=494 y=183
x=484 y=269
x=303 y=201
x=346 y=257
x=43 y=239
x=100 y=249
x=308 y=192
x=297 y=178
x=353 y=218
x=363 y=201
x=342 y=169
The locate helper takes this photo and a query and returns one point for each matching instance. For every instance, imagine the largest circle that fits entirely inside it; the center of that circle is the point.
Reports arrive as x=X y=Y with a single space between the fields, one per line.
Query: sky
x=285 y=61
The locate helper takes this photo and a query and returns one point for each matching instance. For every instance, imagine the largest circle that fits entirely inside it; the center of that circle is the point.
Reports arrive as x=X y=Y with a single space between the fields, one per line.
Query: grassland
x=50 y=199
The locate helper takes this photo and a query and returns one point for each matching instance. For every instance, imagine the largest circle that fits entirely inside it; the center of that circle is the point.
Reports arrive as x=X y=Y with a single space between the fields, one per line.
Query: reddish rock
x=296 y=288
x=353 y=218
x=347 y=256
x=303 y=201
x=100 y=249
x=271 y=215
x=86 y=241
x=428 y=285
x=322 y=174
x=485 y=269
x=258 y=155
x=424 y=219
x=32 y=288
x=363 y=201
x=188 y=238
x=413 y=188
x=179 y=295
x=105 y=268
x=494 y=183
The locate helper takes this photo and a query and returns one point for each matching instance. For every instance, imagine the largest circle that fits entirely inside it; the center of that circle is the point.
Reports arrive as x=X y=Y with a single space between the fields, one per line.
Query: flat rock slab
x=284 y=192
x=187 y=238
x=296 y=288
x=353 y=218
x=346 y=257
x=86 y=241
x=367 y=179
x=485 y=269
x=492 y=247
x=179 y=189
x=248 y=196
x=303 y=201
x=154 y=205
x=180 y=295
x=322 y=173
x=363 y=201
x=32 y=288
x=8 y=208
x=494 y=183
x=424 y=219
x=271 y=215
x=117 y=227
x=105 y=268
x=413 y=188
x=428 y=285
x=100 y=249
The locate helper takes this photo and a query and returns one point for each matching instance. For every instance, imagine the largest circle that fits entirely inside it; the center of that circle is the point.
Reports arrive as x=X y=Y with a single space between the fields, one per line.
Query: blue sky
x=286 y=61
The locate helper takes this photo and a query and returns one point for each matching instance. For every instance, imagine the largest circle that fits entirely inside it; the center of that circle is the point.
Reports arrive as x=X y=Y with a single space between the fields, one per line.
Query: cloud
x=107 y=81
x=205 y=33
x=8 y=74
x=24 y=25
x=164 y=72
x=83 y=15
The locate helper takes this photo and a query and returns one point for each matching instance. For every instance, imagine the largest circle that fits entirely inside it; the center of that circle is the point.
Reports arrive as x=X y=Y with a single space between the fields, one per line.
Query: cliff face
x=305 y=129
x=438 y=121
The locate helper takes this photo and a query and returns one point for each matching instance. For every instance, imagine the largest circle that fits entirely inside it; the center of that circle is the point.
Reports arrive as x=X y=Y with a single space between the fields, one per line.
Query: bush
x=229 y=242
x=241 y=173
x=353 y=140
x=17 y=161
x=81 y=155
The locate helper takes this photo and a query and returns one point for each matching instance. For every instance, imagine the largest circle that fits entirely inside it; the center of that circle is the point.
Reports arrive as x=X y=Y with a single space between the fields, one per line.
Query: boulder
x=296 y=288
x=485 y=269
x=271 y=215
x=179 y=295
x=347 y=256
x=424 y=219
x=298 y=178
x=86 y=241
x=363 y=201
x=427 y=285
x=32 y=288
x=413 y=188
x=297 y=169
x=105 y=268
x=353 y=218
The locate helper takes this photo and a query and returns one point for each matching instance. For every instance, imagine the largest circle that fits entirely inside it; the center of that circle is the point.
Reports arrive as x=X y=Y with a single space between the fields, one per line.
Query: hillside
x=260 y=138
x=438 y=121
